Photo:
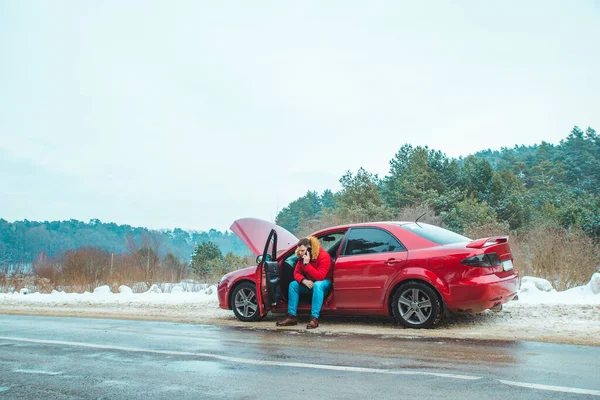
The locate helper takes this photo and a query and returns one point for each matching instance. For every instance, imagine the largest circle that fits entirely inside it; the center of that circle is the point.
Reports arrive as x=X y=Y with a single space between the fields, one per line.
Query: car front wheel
x=245 y=303
x=416 y=305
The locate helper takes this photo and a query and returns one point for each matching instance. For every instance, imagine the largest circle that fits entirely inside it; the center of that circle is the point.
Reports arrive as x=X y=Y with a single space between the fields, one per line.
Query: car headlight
x=224 y=278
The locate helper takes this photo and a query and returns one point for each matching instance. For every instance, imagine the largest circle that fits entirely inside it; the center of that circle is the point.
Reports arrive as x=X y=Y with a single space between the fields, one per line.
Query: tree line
x=74 y=255
x=89 y=267
x=22 y=241
x=513 y=188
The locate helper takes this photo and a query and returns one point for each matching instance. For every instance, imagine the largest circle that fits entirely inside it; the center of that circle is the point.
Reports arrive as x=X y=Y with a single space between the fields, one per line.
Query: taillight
x=482 y=260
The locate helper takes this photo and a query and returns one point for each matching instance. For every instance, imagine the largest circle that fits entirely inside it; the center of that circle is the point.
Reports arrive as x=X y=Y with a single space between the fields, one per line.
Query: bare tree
x=86 y=268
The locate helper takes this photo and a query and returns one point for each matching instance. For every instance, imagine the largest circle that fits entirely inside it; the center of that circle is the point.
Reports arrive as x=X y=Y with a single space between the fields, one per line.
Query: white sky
x=192 y=114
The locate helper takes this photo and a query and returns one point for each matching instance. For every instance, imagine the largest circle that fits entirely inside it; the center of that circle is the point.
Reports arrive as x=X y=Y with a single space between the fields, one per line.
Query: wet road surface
x=76 y=358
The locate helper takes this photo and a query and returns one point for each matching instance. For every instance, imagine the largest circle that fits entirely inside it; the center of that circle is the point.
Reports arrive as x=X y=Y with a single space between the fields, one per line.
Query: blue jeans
x=318 y=291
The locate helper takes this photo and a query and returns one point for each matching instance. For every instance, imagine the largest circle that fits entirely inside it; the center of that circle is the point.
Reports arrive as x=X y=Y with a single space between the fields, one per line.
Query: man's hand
x=306 y=258
x=308 y=284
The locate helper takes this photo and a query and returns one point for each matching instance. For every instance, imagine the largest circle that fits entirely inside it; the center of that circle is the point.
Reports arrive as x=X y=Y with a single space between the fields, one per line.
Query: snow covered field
x=540 y=314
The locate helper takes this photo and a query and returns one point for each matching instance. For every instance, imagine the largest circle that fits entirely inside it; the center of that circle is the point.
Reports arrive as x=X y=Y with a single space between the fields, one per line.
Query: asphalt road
x=76 y=358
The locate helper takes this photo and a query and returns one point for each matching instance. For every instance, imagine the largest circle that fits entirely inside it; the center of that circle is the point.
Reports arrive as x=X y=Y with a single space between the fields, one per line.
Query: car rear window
x=435 y=234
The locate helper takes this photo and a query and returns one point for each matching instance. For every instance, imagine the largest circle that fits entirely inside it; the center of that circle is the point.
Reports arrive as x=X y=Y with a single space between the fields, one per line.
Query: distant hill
x=21 y=241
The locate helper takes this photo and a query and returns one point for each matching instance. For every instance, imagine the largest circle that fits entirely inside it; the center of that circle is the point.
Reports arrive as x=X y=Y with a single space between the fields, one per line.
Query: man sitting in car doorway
x=312 y=274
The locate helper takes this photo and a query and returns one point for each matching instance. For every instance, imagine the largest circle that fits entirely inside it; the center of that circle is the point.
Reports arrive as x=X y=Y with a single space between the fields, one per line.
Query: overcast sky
x=191 y=114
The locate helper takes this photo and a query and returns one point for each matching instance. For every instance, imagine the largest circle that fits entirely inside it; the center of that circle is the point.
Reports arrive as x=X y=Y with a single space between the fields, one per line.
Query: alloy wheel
x=245 y=302
x=414 y=306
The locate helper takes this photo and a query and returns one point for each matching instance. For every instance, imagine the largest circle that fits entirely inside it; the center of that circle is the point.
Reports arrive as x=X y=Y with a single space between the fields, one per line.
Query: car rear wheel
x=245 y=303
x=416 y=305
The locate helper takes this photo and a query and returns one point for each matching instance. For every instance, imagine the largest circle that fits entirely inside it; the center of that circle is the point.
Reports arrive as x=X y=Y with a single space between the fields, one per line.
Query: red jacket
x=316 y=270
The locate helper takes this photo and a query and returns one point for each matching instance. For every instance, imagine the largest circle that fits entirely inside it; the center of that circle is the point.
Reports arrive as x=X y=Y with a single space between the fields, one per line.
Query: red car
x=411 y=271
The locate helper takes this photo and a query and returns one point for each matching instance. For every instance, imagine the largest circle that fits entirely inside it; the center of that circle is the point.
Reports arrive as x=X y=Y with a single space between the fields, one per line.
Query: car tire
x=245 y=303
x=416 y=305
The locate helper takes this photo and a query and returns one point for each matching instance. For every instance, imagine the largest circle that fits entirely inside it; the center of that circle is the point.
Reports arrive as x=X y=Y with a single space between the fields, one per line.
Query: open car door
x=269 y=269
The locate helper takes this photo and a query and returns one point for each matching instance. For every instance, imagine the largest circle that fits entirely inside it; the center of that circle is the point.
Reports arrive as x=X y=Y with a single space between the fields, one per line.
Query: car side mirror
x=259 y=259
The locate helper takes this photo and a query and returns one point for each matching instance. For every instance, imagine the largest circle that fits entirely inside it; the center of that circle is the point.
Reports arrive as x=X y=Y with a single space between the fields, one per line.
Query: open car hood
x=254 y=233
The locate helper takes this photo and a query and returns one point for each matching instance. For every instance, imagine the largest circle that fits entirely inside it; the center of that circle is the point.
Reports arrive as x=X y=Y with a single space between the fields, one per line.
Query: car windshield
x=435 y=234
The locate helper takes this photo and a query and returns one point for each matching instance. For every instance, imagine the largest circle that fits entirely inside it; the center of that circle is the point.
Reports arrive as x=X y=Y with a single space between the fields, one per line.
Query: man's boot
x=289 y=320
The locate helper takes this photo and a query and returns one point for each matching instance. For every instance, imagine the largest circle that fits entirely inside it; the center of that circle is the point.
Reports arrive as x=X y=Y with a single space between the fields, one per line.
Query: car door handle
x=392 y=261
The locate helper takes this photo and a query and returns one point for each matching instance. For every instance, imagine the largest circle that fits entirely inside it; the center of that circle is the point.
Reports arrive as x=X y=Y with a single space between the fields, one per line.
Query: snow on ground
x=540 y=314
x=103 y=295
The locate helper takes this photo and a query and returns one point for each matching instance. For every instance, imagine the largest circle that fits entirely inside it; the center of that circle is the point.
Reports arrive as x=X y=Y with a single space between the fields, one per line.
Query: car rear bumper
x=482 y=293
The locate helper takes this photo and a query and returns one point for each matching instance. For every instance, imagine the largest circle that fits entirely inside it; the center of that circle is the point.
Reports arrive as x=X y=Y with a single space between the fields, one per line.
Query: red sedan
x=411 y=271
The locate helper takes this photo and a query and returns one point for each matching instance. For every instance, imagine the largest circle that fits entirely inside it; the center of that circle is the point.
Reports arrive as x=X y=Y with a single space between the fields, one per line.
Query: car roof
x=380 y=224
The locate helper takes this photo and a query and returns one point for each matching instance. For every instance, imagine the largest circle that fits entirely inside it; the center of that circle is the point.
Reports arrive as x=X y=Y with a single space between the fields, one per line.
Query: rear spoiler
x=481 y=243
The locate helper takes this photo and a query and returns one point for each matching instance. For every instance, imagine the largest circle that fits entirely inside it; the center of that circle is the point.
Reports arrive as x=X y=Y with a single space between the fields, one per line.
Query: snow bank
x=531 y=284
x=125 y=290
x=594 y=284
x=154 y=289
x=540 y=291
x=100 y=290
x=103 y=295
x=177 y=289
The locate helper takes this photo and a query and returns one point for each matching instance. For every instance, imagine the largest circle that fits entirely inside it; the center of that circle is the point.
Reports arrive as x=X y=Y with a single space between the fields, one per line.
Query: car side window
x=369 y=241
